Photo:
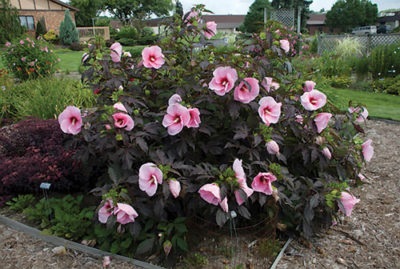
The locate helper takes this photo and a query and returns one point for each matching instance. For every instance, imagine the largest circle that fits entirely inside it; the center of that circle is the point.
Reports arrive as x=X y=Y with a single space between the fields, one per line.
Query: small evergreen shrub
x=51 y=36
x=40 y=28
x=68 y=32
x=30 y=59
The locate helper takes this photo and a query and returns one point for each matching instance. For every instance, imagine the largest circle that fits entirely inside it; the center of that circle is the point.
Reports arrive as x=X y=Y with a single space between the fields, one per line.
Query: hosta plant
x=187 y=131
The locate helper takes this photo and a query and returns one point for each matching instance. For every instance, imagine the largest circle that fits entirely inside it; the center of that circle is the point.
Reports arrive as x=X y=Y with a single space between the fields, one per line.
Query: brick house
x=316 y=24
x=31 y=11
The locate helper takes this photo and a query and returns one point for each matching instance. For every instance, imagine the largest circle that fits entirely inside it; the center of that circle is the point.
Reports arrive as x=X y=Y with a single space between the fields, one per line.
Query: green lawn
x=379 y=105
x=69 y=60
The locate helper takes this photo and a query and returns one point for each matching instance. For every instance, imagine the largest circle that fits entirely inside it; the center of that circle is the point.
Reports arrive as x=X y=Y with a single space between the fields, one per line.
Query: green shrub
x=340 y=82
x=30 y=59
x=21 y=202
x=384 y=61
x=135 y=51
x=387 y=85
x=127 y=32
x=68 y=32
x=76 y=46
x=146 y=37
x=64 y=217
x=51 y=36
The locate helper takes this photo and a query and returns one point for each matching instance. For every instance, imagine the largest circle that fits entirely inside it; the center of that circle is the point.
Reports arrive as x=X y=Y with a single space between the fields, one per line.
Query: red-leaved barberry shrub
x=33 y=151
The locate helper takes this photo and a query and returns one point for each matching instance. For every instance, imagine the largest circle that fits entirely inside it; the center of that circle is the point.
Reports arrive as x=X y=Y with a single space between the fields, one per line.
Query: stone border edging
x=57 y=241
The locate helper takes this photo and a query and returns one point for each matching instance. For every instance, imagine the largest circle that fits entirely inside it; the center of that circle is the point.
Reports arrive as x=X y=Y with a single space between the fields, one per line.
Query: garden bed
x=369 y=238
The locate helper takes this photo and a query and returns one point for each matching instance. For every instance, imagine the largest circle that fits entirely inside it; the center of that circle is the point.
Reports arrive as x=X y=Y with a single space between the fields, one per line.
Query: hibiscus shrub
x=187 y=130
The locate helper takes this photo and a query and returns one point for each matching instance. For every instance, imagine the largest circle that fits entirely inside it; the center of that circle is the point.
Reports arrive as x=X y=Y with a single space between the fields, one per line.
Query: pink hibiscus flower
x=322 y=120
x=308 y=86
x=153 y=57
x=210 y=29
x=174 y=187
x=223 y=81
x=125 y=213
x=313 y=100
x=211 y=193
x=361 y=112
x=224 y=204
x=106 y=211
x=70 y=120
x=269 y=110
x=149 y=178
x=269 y=85
x=176 y=118
x=367 y=150
x=247 y=90
x=116 y=52
x=241 y=179
x=194 y=121
x=285 y=45
x=272 y=147
x=262 y=183
x=123 y=121
x=191 y=17
x=347 y=202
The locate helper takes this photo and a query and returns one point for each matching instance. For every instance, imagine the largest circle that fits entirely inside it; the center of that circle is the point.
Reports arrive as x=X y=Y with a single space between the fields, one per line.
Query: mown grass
x=379 y=105
x=69 y=60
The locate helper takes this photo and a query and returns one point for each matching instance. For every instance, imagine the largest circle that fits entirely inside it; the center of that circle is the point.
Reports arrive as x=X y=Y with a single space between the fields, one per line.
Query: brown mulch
x=369 y=238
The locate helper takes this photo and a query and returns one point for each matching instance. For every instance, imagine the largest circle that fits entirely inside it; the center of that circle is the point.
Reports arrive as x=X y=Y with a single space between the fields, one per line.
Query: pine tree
x=68 y=32
x=10 y=26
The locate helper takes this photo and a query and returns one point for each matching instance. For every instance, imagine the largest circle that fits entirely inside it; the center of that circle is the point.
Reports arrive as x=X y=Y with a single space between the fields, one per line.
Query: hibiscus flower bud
x=174 y=187
x=326 y=152
x=272 y=147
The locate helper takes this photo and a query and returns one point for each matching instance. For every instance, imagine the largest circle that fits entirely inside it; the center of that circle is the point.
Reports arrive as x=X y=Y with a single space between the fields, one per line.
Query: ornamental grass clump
x=207 y=135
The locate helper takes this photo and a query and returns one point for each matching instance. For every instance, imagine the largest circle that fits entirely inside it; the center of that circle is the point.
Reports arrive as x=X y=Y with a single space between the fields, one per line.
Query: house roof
x=57 y=2
x=64 y=5
x=317 y=19
x=389 y=17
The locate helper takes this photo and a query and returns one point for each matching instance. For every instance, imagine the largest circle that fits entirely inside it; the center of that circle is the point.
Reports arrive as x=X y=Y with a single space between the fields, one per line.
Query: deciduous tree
x=254 y=20
x=88 y=9
x=347 y=14
x=125 y=10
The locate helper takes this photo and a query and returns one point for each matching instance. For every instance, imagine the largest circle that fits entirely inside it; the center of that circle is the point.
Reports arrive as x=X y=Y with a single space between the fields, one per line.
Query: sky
x=221 y=7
